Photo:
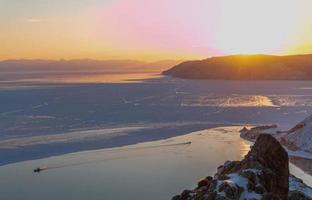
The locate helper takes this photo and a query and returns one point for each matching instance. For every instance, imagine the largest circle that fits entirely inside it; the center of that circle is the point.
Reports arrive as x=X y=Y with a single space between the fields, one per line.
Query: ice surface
x=67 y=117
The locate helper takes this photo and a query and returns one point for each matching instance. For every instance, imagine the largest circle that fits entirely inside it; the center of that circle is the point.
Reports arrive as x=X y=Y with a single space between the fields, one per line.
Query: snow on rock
x=262 y=174
x=238 y=182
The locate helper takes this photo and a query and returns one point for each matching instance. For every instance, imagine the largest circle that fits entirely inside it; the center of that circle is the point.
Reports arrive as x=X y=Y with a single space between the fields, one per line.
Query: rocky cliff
x=262 y=174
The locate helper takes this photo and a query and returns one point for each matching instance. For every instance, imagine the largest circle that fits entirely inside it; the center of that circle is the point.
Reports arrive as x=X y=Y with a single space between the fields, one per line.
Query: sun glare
x=155 y=29
x=265 y=26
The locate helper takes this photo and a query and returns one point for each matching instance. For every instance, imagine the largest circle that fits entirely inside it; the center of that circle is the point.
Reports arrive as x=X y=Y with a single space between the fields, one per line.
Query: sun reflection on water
x=229 y=101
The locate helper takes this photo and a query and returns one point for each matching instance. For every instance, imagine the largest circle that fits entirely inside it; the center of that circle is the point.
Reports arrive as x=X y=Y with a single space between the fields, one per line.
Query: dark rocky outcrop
x=262 y=174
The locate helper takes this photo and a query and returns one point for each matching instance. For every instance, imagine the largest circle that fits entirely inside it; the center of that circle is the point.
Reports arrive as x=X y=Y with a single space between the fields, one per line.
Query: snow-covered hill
x=297 y=139
x=300 y=136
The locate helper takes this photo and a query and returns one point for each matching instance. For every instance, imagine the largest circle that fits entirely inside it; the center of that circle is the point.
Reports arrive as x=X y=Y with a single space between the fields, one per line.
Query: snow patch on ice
x=74 y=136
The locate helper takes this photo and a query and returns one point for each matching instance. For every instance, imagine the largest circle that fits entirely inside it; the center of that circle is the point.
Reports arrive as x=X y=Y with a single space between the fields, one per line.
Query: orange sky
x=153 y=29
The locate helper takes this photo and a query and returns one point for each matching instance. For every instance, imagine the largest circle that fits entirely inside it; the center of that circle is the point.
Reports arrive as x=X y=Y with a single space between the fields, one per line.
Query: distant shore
x=246 y=67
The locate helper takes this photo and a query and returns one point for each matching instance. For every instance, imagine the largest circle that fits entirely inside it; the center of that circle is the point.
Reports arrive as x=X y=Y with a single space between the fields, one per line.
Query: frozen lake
x=123 y=136
x=42 y=116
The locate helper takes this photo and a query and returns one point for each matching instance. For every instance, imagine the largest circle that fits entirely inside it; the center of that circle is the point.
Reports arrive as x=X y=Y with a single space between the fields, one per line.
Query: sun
x=250 y=26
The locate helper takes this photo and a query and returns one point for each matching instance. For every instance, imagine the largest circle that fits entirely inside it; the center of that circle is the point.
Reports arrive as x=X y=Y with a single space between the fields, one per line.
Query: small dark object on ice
x=37 y=170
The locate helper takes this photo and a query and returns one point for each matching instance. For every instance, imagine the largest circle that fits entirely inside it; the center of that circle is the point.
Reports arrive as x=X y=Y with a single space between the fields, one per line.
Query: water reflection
x=230 y=101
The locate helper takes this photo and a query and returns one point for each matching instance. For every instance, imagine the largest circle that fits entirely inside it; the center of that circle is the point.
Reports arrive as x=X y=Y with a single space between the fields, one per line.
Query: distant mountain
x=246 y=67
x=24 y=65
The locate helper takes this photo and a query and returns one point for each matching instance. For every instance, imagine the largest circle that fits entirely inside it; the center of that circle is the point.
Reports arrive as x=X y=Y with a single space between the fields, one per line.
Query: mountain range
x=25 y=65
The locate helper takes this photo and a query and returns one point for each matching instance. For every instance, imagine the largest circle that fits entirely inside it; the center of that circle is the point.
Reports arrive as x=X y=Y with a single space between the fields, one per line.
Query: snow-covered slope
x=300 y=136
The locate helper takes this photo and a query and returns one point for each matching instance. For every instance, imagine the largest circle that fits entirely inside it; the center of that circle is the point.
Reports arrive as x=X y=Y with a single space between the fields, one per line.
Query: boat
x=37 y=170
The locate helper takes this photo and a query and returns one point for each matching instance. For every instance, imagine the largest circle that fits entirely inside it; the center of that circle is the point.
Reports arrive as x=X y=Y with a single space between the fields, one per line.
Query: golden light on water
x=229 y=101
x=244 y=148
x=248 y=101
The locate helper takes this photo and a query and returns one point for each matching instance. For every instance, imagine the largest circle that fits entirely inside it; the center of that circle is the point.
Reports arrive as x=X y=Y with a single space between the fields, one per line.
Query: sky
x=153 y=29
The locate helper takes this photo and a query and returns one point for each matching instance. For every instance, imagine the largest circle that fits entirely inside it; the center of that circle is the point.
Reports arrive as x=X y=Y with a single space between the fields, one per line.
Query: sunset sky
x=153 y=29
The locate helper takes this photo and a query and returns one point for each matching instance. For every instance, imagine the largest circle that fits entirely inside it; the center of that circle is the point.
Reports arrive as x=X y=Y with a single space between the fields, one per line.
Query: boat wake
x=45 y=168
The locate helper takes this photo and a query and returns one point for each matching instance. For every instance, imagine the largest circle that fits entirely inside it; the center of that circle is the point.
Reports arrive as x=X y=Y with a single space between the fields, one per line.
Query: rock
x=259 y=189
x=244 y=129
x=272 y=156
x=204 y=182
x=177 y=197
x=270 y=196
x=295 y=195
x=262 y=174
x=186 y=194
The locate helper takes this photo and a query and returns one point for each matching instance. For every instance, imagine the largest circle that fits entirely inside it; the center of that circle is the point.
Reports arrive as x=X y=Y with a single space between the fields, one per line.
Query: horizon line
x=145 y=61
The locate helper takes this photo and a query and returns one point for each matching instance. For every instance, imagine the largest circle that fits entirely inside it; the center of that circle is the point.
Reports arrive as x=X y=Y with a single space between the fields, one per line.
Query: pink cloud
x=161 y=24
